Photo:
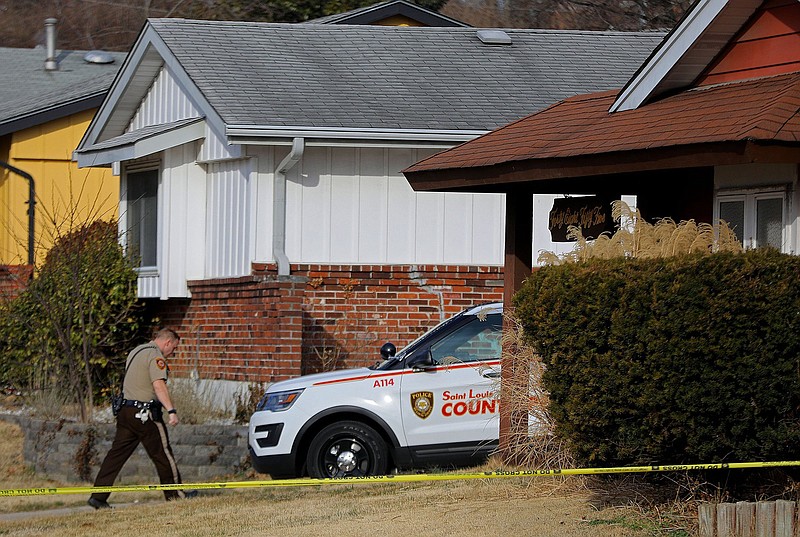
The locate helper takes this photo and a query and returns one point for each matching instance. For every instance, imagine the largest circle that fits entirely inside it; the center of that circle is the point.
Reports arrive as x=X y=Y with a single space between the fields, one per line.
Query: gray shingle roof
x=29 y=95
x=267 y=74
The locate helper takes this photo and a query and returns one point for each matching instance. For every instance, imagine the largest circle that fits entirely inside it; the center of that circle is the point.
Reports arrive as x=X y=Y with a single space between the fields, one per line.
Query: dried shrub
x=532 y=440
x=246 y=400
x=48 y=403
x=196 y=406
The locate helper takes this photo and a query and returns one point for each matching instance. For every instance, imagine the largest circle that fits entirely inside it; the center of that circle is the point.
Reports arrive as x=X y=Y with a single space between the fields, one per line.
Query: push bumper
x=277 y=466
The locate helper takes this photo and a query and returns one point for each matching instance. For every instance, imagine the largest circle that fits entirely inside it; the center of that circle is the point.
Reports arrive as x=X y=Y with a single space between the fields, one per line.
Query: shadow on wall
x=336 y=341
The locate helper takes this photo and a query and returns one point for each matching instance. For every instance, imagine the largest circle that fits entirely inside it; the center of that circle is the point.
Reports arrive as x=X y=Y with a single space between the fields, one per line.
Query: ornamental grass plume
x=635 y=237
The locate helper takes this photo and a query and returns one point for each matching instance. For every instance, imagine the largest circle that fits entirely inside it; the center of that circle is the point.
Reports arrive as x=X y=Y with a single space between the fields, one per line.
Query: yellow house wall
x=66 y=196
x=398 y=20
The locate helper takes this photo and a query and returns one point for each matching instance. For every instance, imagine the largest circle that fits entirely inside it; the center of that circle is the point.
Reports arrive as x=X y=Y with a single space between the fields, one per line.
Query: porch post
x=518 y=266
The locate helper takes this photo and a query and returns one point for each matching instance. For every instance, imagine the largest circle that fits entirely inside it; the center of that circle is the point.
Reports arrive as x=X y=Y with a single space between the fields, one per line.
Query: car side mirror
x=421 y=361
x=388 y=350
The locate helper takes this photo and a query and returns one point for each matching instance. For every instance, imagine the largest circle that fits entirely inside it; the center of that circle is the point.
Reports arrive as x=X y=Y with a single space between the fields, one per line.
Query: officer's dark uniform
x=145 y=364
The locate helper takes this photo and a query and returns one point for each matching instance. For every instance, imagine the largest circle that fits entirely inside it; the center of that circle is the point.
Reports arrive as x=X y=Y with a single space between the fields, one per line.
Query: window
x=478 y=340
x=142 y=216
x=757 y=218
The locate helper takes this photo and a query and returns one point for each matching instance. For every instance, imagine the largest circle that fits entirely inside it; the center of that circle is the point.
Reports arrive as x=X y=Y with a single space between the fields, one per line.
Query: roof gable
x=142 y=68
x=769 y=44
x=703 y=32
x=390 y=13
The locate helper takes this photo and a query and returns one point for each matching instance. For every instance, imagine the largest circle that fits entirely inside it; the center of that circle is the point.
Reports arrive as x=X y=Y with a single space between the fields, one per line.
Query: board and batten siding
x=181 y=226
x=344 y=206
x=165 y=102
x=353 y=206
x=229 y=221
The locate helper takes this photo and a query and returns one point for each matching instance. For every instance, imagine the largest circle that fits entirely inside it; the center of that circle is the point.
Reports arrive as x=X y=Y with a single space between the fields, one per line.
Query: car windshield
x=385 y=364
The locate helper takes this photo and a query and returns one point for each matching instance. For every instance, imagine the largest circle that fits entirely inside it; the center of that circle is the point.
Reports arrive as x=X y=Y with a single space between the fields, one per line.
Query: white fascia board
x=117 y=89
x=666 y=56
x=144 y=147
x=254 y=134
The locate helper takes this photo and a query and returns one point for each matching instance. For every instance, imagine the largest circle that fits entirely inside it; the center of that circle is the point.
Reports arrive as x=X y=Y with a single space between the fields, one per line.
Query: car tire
x=347 y=449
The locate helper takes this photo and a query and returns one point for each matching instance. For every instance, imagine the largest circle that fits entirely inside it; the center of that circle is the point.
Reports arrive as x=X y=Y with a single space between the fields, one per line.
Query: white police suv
x=432 y=403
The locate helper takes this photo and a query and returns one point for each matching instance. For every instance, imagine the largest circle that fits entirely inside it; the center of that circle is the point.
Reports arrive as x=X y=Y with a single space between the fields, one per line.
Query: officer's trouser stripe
x=165 y=448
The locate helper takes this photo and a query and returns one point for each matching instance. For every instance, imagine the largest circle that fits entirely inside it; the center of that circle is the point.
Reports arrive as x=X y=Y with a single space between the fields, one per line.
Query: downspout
x=31 y=205
x=279 y=205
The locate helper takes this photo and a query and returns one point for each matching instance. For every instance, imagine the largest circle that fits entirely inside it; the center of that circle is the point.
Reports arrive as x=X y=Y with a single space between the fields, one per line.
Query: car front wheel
x=345 y=449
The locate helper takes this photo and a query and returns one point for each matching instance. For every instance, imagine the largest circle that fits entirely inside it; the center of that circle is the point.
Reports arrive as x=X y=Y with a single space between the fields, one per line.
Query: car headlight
x=278 y=401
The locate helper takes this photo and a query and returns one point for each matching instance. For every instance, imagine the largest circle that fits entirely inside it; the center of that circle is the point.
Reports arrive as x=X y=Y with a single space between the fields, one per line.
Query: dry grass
x=532 y=441
x=14 y=474
x=198 y=405
x=522 y=506
x=636 y=237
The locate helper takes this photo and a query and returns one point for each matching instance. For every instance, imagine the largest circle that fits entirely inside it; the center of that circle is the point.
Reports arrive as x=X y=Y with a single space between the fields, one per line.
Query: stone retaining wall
x=72 y=452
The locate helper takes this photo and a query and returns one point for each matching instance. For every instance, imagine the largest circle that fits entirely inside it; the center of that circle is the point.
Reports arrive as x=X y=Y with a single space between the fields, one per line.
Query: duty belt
x=138 y=404
x=145 y=408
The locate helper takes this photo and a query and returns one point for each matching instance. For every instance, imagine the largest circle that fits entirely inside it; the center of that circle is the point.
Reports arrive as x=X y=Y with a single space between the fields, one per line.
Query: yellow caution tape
x=403 y=478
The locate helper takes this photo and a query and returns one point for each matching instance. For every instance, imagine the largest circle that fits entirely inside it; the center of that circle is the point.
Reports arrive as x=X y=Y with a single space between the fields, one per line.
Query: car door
x=450 y=404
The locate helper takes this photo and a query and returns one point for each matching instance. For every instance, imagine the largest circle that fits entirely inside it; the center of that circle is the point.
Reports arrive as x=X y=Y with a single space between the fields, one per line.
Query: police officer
x=140 y=419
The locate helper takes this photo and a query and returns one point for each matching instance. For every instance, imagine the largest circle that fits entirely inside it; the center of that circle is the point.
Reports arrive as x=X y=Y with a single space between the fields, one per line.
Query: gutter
x=252 y=133
x=31 y=205
x=279 y=205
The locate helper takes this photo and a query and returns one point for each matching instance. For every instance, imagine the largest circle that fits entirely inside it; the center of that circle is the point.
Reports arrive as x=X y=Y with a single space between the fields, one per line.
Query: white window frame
x=750 y=198
x=134 y=168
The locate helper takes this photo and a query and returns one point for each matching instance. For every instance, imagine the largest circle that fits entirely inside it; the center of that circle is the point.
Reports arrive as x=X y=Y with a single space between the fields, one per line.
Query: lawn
x=540 y=506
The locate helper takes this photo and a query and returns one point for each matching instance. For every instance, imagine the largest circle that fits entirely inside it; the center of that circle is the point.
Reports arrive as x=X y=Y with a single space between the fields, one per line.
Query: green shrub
x=685 y=359
x=74 y=323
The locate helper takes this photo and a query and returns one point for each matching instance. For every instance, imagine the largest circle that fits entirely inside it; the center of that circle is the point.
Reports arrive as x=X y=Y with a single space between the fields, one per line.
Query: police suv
x=432 y=403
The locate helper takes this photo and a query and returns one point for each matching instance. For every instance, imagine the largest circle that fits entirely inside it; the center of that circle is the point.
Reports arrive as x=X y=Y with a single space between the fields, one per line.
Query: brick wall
x=243 y=329
x=350 y=311
x=264 y=328
x=13 y=279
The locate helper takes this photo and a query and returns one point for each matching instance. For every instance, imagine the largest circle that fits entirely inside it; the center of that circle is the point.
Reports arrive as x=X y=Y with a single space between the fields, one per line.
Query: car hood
x=319 y=379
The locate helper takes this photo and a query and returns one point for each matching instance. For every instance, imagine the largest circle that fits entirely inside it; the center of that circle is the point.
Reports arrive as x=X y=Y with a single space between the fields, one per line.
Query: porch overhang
x=539 y=175
x=140 y=143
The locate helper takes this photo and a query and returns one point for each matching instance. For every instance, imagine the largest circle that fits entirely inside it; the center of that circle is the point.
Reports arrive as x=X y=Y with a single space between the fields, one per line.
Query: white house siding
x=181 y=226
x=182 y=218
x=214 y=149
x=344 y=206
x=165 y=102
x=149 y=281
x=352 y=205
x=149 y=285
x=228 y=206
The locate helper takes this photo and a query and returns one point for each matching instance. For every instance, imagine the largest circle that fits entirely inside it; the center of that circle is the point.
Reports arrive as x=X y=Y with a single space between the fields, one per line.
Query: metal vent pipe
x=50 y=64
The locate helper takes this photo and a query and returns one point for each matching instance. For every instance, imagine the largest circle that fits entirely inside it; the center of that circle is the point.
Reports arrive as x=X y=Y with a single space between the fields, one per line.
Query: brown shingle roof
x=764 y=109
